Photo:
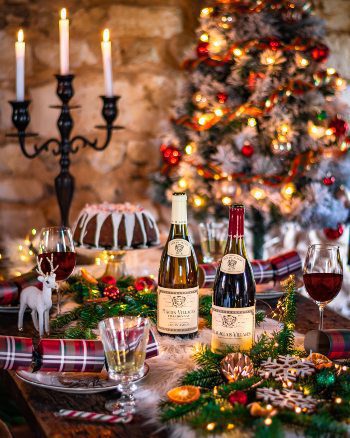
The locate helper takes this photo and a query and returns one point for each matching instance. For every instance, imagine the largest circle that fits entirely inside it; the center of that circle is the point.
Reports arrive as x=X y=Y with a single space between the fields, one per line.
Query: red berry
x=109 y=279
x=239 y=397
x=143 y=283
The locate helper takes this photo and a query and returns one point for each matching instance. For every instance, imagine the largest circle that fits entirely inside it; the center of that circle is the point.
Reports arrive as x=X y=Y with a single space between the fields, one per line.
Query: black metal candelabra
x=65 y=145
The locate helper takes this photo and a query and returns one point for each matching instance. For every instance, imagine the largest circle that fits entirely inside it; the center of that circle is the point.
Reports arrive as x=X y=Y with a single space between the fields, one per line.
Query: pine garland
x=212 y=413
x=81 y=321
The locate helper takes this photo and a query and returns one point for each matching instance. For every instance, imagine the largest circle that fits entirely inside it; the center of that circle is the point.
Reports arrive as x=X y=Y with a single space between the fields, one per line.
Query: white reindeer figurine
x=39 y=300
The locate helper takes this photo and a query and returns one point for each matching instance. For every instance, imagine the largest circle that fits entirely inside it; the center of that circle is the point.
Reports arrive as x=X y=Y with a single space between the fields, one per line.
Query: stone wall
x=149 y=38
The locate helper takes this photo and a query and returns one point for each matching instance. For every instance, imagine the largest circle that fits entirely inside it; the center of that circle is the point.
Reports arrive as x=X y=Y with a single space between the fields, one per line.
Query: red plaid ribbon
x=16 y=353
x=79 y=355
x=275 y=268
x=11 y=289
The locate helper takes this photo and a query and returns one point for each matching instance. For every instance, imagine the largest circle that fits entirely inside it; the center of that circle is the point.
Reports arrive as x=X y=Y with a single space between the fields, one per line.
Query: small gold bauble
x=235 y=366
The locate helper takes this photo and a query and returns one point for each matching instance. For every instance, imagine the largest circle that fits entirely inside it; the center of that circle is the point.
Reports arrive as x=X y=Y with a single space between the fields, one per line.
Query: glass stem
x=127 y=399
x=321 y=309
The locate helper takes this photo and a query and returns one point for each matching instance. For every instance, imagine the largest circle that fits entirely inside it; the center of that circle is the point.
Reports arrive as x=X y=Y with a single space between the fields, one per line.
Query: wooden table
x=38 y=404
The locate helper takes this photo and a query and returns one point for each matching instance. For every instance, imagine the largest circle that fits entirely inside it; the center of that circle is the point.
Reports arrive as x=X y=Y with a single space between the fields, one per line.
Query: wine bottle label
x=232 y=327
x=179 y=248
x=177 y=310
x=232 y=264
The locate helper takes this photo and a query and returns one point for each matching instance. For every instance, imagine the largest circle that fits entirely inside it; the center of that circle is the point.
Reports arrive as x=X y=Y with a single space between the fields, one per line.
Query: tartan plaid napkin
x=275 y=268
x=71 y=355
x=79 y=355
x=16 y=353
x=285 y=264
x=335 y=343
x=11 y=289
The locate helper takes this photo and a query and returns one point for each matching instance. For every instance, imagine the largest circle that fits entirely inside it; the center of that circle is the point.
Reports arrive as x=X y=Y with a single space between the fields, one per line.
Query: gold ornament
x=320 y=361
x=236 y=365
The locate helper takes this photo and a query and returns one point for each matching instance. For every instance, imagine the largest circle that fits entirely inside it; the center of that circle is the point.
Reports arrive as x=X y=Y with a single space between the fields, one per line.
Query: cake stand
x=115 y=259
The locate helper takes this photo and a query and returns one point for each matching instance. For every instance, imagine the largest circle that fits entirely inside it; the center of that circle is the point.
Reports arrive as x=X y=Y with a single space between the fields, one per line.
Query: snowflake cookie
x=287 y=398
x=286 y=368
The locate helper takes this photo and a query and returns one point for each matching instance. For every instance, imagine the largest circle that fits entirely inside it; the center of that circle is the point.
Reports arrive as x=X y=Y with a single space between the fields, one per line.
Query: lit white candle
x=106 y=48
x=64 y=42
x=20 y=48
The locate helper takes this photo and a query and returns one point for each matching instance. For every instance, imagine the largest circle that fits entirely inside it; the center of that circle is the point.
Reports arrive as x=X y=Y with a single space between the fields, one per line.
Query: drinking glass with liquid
x=323 y=275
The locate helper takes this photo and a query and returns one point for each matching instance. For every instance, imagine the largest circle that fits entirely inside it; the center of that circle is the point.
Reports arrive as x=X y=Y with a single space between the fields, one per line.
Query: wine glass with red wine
x=58 y=243
x=323 y=275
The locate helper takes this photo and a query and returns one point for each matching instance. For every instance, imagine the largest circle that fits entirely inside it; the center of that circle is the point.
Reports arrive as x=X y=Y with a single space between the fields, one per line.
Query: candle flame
x=63 y=14
x=20 y=36
x=105 y=35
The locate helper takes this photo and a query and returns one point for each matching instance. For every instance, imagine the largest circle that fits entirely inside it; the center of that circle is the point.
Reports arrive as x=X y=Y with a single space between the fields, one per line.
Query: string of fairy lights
x=213 y=49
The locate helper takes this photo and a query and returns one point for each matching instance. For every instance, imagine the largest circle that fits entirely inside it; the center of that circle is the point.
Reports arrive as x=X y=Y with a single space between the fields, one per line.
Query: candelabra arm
x=21 y=119
x=37 y=149
x=109 y=113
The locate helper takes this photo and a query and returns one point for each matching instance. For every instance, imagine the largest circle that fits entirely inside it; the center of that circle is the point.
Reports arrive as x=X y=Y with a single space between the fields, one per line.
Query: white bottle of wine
x=177 y=307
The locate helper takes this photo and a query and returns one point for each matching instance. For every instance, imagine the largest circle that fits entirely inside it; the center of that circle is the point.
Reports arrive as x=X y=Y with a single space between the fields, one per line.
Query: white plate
x=50 y=380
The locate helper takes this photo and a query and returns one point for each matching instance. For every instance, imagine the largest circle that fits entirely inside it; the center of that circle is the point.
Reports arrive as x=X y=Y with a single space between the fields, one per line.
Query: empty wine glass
x=213 y=240
x=57 y=242
x=323 y=275
x=124 y=341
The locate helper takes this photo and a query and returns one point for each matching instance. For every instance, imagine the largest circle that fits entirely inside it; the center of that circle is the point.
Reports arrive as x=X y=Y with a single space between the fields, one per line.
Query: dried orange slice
x=87 y=276
x=320 y=361
x=184 y=394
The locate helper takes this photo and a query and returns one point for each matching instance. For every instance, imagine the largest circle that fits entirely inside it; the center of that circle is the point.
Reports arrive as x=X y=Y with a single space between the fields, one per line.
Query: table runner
x=168 y=368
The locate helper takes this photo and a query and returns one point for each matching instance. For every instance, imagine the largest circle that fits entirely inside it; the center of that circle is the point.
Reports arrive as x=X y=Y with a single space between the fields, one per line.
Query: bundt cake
x=115 y=227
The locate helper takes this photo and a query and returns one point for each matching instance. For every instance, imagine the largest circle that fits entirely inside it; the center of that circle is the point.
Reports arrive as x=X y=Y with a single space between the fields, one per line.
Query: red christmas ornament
x=221 y=97
x=143 y=283
x=320 y=53
x=111 y=292
x=171 y=155
x=203 y=49
x=339 y=126
x=109 y=279
x=274 y=44
x=239 y=397
x=247 y=150
x=328 y=180
x=334 y=233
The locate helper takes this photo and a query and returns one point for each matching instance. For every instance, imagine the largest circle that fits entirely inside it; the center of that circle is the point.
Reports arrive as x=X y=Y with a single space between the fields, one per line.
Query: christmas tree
x=260 y=121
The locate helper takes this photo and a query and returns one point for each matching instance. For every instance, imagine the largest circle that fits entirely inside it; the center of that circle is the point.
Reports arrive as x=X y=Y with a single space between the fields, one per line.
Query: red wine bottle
x=177 y=297
x=233 y=310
